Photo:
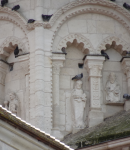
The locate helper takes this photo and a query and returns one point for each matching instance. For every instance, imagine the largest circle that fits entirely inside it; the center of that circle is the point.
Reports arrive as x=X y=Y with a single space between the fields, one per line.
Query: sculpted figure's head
x=79 y=84
x=112 y=77
x=12 y=96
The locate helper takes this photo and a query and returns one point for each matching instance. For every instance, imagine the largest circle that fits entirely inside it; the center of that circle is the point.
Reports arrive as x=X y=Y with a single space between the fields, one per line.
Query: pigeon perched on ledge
x=125 y=5
x=46 y=17
x=15 y=8
x=64 y=50
x=126 y=96
x=16 y=51
x=104 y=54
x=78 y=77
x=31 y=21
x=3 y=2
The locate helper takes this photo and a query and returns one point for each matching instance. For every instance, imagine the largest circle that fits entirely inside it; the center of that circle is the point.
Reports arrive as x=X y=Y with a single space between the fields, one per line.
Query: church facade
x=37 y=86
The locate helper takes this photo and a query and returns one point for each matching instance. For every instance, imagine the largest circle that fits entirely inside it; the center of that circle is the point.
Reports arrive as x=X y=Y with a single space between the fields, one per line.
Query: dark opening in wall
x=11 y=67
x=80 y=65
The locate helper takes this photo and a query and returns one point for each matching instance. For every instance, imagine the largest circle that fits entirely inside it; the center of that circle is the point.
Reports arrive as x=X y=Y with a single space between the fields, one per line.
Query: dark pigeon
x=15 y=8
x=126 y=96
x=16 y=51
x=31 y=21
x=113 y=0
x=104 y=54
x=64 y=50
x=125 y=5
x=78 y=77
x=3 y=2
x=46 y=17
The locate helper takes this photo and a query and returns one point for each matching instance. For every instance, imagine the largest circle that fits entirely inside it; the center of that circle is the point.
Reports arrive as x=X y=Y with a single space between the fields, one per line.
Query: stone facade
x=41 y=74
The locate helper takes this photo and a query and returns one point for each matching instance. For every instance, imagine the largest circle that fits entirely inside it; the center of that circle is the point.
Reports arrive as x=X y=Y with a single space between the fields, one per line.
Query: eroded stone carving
x=78 y=99
x=12 y=104
x=112 y=89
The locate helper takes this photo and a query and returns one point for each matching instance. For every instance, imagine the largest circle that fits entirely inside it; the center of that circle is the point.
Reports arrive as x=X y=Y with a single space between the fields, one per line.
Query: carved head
x=12 y=95
x=78 y=84
x=112 y=77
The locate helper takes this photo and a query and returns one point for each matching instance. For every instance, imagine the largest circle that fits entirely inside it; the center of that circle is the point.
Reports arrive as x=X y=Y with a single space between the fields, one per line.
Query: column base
x=95 y=117
x=57 y=134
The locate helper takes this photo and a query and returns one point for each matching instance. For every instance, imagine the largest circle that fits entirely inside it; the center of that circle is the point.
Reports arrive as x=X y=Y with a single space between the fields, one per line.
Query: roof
x=113 y=128
x=34 y=132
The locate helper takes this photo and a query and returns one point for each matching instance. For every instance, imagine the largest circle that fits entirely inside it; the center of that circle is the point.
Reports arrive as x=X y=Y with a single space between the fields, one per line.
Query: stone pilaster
x=57 y=64
x=126 y=69
x=24 y=63
x=94 y=65
x=3 y=69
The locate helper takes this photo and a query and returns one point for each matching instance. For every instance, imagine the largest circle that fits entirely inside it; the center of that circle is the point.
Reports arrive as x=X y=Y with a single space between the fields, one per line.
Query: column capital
x=94 y=65
x=126 y=66
x=57 y=63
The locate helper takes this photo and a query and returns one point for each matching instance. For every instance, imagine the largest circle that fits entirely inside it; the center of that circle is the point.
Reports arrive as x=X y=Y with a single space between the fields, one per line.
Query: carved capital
x=126 y=66
x=94 y=65
x=56 y=67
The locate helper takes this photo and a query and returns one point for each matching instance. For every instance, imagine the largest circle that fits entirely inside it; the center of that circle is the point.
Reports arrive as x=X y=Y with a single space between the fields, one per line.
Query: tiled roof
x=27 y=128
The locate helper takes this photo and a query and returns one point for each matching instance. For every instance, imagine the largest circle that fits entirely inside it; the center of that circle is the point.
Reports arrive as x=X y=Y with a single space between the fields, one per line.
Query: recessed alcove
x=113 y=65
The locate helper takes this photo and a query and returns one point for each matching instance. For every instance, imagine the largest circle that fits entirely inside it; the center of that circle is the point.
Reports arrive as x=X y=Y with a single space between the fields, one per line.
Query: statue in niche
x=12 y=104
x=112 y=89
x=78 y=99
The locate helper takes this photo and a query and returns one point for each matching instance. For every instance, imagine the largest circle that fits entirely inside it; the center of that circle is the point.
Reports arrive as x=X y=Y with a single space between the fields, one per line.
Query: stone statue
x=12 y=104
x=78 y=99
x=112 y=89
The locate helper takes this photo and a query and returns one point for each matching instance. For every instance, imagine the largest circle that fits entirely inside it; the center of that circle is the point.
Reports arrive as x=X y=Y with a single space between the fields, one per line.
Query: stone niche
x=112 y=100
x=67 y=85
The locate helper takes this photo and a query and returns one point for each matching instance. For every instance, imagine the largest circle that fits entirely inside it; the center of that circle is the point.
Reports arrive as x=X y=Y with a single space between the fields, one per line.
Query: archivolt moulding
x=113 y=42
x=79 y=3
x=11 y=41
x=79 y=40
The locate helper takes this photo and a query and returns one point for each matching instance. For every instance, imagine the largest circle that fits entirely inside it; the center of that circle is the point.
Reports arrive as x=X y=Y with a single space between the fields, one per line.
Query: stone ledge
x=115 y=103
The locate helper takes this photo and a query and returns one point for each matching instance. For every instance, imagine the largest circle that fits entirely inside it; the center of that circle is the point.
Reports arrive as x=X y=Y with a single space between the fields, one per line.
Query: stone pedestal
x=57 y=64
x=94 y=65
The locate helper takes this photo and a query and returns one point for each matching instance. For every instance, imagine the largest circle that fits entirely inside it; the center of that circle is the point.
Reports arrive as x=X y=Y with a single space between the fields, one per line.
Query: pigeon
x=125 y=5
x=15 y=8
x=126 y=96
x=104 y=54
x=113 y=0
x=46 y=17
x=64 y=50
x=31 y=21
x=78 y=77
x=3 y=2
x=16 y=51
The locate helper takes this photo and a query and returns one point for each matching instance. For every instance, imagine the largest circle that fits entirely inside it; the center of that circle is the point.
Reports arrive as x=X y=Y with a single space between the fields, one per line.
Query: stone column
x=24 y=63
x=126 y=68
x=94 y=65
x=3 y=69
x=57 y=64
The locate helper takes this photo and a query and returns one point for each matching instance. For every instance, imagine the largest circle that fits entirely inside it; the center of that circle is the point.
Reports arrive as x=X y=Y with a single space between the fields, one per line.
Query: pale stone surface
x=127 y=105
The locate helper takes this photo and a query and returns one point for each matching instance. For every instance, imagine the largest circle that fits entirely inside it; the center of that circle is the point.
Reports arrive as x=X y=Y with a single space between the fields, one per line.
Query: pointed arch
x=114 y=42
x=79 y=40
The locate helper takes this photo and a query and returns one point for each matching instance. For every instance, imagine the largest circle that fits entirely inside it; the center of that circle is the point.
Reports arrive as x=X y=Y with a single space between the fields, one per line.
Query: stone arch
x=12 y=16
x=88 y=6
x=79 y=41
x=114 y=42
x=9 y=42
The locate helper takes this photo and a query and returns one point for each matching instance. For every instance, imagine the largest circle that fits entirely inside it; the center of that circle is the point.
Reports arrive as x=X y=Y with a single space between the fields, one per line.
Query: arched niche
x=81 y=42
x=75 y=54
x=113 y=65
x=113 y=42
